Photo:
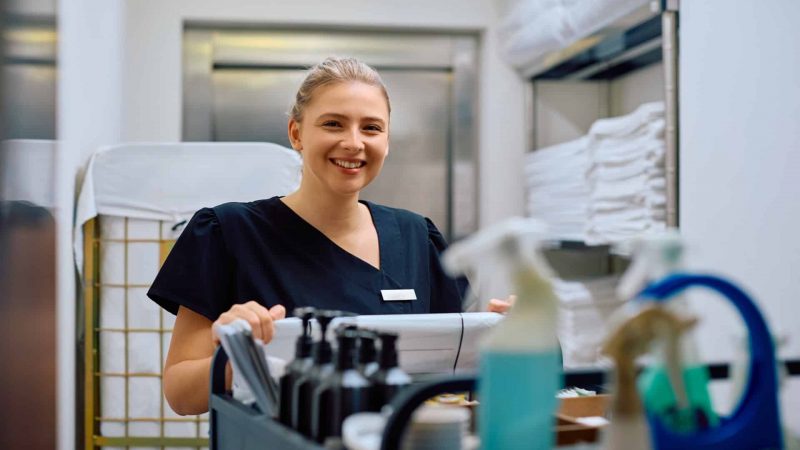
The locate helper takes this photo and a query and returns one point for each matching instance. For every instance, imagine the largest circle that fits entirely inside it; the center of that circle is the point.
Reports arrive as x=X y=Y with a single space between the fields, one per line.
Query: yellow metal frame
x=92 y=282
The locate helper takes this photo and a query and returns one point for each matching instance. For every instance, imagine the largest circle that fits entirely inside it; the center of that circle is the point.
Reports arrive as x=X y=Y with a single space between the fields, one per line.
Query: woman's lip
x=348 y=160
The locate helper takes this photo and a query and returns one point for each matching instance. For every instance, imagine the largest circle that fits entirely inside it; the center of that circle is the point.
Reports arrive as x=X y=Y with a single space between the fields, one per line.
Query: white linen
x=606 y=187
x=531 y=28
x=171 y=181
x=558 y=192
x=626 y=176
x=584 y=309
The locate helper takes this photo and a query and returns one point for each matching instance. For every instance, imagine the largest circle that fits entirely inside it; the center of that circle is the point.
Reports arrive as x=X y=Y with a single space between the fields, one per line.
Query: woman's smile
x=348 y=165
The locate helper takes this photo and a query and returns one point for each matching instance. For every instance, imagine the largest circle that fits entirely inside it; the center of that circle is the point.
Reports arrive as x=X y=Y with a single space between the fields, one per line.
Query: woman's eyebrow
x=333 y=115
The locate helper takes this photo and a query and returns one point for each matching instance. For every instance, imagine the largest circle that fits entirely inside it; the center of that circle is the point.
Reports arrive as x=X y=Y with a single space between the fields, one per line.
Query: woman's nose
x=352 y=141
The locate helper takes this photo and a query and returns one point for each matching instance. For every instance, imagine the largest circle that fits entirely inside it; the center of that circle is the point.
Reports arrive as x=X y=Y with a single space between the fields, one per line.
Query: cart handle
x=411 y=397
x=218 y=363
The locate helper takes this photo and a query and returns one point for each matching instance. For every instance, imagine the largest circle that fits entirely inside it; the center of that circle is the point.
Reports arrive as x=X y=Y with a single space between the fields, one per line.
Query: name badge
x=397 y=295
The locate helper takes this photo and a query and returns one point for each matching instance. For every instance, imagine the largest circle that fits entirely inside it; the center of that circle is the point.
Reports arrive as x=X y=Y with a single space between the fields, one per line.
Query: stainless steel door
x=239 y=85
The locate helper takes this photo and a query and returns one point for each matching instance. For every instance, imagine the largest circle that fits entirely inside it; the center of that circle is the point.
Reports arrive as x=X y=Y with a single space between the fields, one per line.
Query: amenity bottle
x=303 y=396
x=301 y=364
x=389 y=379
x=346 y=391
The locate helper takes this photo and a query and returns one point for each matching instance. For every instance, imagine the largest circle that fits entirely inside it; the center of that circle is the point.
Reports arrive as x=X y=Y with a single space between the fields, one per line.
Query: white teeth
x=348 y=164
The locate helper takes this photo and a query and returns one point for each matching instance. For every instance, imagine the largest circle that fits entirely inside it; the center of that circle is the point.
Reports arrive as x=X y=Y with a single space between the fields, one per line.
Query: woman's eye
x=330 y=123
x=373 y=128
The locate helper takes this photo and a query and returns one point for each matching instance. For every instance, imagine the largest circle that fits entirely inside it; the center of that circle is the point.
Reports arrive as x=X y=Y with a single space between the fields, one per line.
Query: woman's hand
x=260 y=318
x=501 y=306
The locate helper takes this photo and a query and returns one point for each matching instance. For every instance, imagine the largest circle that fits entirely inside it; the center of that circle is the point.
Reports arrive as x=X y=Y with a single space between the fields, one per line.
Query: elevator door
x=240 y=85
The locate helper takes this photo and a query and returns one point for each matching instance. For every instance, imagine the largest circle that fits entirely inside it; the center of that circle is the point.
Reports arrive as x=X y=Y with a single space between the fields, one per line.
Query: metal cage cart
x=125 y=231
x=127 y=425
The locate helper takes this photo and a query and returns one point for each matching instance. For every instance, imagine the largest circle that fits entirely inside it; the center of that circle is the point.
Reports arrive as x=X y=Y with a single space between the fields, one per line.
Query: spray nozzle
x=632 y=338
x=654 y=256
x=494 y=257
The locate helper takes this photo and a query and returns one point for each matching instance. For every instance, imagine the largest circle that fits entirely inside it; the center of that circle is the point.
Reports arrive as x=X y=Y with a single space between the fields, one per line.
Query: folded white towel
x=557 y=188
x=646 y=114
x=531 y=28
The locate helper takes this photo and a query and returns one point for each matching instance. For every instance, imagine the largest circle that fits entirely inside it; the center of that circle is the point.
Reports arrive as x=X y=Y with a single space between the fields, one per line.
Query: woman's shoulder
x=406 y=219
x=237 y=212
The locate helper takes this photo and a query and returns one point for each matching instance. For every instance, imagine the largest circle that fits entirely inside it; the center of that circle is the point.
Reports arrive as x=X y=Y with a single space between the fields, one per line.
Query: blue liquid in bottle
x=517 y=394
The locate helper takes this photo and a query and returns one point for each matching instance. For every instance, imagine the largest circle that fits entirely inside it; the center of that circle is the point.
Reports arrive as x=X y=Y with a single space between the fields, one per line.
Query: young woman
x=320 y=246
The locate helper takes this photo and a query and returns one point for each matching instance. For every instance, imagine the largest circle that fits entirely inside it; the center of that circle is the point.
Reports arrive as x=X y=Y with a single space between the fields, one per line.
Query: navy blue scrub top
x=264 y=251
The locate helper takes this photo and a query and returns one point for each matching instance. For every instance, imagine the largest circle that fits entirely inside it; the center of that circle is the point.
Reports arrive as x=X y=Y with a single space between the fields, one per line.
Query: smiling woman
x=319 y=246
x=343 y=135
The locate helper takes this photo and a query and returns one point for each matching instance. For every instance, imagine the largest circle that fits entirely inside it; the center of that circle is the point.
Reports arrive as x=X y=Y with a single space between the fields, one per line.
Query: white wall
x=641 y=86
x=566 y=109
x=740 y=157
x=152 y=82
x=88 y=115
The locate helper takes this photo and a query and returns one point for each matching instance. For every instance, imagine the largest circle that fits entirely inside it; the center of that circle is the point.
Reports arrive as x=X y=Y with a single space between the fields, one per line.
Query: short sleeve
x=197 y=274
x=446 y=293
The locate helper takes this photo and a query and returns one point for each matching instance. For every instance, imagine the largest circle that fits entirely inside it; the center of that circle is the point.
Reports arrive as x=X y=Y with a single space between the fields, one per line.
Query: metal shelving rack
x=646 y=36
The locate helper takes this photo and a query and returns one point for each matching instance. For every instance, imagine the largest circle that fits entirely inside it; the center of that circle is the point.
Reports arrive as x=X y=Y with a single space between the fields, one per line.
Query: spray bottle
x=519 y=359
x=677 y=392
x=639 y=327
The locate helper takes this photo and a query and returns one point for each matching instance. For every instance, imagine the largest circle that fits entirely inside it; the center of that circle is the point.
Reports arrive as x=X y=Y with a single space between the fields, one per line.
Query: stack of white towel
x=606 y=187
x=531 y=28
x=626 y=175
x=584 y=311
x=558 y=193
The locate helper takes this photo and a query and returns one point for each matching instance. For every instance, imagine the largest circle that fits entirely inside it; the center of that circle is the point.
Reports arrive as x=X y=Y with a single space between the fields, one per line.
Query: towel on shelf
x=584 y=309
x=626 y=175
x=529 y=29
x=558 y=193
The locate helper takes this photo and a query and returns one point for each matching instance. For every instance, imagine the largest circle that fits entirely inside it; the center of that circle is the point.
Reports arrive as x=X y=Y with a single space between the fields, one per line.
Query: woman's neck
x=330 y=213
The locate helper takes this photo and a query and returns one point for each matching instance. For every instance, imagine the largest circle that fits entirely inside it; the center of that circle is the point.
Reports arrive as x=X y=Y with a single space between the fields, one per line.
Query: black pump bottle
x=367 y=354
x=303 y=395
x=298 y=367
x=390 y=378
x=344 y=393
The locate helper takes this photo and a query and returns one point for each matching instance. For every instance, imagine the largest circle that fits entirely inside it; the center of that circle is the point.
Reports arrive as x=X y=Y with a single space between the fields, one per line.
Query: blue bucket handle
x=755 y=423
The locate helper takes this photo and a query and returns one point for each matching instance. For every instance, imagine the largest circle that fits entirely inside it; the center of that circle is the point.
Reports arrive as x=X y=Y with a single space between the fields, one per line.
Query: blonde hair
x=335 y=70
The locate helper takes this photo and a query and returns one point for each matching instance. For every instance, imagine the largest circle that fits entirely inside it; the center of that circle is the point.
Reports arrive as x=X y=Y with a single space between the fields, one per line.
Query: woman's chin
x=352 y=187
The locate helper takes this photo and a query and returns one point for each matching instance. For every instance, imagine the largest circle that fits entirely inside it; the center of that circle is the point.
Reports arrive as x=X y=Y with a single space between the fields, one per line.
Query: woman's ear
x=294 y=135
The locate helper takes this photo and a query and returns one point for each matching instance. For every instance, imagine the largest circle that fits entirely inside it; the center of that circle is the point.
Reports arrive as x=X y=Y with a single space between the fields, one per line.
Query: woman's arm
x=188 y=366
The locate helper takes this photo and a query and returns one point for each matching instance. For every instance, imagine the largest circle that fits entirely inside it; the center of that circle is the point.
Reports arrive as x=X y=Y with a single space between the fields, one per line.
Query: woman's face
x=343 y=136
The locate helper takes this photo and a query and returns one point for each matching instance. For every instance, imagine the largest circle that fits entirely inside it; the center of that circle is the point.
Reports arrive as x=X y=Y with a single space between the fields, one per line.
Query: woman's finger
x=277 y=312
x=244 y=312
x=264 y=320
x=223 y=318
x=499 y=306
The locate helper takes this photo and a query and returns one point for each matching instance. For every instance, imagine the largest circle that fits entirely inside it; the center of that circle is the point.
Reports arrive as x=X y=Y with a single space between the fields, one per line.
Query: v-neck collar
x=386 y=227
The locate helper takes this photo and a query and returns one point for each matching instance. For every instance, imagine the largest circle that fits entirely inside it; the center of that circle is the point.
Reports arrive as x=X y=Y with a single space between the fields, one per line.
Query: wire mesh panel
x=127 y=338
